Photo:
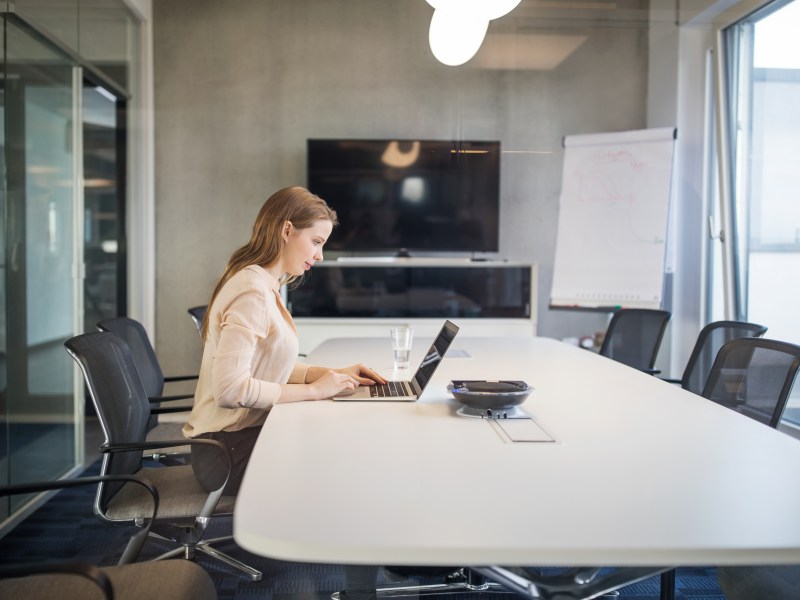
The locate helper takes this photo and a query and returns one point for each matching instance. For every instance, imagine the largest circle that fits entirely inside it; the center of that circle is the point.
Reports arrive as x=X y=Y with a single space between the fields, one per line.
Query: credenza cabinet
x=367 y=297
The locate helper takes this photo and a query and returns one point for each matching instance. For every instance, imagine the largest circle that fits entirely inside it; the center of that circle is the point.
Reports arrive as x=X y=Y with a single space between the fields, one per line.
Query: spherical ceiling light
x=455 y=38
x=459 y=26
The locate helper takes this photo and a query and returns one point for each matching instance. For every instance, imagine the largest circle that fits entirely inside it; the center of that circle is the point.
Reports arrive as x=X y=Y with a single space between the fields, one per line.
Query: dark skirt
x=209 y=465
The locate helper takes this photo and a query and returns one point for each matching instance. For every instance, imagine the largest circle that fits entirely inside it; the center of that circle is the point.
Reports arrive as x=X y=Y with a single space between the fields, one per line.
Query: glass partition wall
x=62 y=230
x=41 y=196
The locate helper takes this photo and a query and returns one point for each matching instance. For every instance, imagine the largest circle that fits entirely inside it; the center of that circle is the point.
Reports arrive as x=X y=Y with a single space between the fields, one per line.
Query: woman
x=250 y=352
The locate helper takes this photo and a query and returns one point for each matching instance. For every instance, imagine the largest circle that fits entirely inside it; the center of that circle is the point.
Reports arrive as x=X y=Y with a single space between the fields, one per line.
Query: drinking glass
x=402 y=337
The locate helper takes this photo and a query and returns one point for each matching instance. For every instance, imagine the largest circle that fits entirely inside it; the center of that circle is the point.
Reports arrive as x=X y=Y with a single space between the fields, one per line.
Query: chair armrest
x=160 y=410
x=181 y=378
x=651 y=371
x=44 y=486
x=128 y=446
x=670 y=380
x=157 y=399
x=132 y=551
x=79 y=569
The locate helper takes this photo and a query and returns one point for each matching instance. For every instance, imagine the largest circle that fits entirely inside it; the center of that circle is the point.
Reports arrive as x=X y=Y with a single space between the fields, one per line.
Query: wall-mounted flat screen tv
x=407 y=195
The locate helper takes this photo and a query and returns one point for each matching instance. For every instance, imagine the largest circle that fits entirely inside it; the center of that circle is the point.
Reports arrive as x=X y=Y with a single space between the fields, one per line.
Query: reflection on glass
x=38 y=299
x=102 y=31
x=103 y=202
x=38 y=306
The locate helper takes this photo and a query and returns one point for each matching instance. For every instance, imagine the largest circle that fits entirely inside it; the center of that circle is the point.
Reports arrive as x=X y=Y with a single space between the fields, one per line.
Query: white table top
x=641 y=473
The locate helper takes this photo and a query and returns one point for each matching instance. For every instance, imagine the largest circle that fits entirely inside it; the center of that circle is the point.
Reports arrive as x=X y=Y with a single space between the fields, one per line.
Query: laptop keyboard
x=390 y=389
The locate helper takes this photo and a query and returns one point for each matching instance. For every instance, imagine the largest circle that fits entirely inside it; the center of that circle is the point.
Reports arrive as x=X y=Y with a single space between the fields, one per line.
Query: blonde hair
x=294 y=204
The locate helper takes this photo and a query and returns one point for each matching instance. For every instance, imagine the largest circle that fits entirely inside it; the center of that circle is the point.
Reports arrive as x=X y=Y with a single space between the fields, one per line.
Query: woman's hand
x=333 y=383
x=325 y=383
x=363 y=374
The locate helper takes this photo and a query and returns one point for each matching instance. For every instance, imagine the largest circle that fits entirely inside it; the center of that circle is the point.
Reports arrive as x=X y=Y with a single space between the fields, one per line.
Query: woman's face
x=304 y=246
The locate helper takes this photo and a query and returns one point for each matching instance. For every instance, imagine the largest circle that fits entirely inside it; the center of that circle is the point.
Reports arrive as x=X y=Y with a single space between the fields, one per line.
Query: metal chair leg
x=461 y=581
x=189 y=552
x=667 y=591
x=254 y=574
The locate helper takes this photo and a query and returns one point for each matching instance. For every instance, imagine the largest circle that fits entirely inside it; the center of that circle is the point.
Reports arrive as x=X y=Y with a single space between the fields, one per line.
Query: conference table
x=635 y=472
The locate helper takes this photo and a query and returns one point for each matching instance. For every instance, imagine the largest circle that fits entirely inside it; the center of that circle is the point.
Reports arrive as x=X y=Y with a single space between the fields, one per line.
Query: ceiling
x=539 y=35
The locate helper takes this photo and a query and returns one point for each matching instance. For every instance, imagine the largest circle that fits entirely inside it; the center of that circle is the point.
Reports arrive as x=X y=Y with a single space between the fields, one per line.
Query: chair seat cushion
x=168 y=580
x=180 y=495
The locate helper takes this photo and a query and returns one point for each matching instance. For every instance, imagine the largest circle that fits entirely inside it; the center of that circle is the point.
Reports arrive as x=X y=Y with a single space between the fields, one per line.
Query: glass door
x=767 y=178
x=763 y=72
x=40 y=303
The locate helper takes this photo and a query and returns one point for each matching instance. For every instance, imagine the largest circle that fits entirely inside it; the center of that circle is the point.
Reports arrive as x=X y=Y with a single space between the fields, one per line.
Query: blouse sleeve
x=244 y=324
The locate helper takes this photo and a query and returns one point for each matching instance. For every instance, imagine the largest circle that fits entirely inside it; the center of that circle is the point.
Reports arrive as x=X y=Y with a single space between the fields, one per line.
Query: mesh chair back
x=118 y=397
x=135 y=336
x=710 y=339
x=754 y=376
x=634 y=336
x=198 y=313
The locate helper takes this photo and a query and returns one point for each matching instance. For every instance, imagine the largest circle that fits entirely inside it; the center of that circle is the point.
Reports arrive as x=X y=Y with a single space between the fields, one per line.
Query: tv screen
x=398 y=195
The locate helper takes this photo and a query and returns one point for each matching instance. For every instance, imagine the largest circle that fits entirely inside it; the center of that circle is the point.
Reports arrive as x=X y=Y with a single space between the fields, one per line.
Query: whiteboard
x=612 y=223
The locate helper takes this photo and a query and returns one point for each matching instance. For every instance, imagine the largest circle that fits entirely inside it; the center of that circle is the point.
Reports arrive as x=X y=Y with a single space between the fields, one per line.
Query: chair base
x=458 y=582
x=584 y=583
x=437 y=588
x=449 y=587
x=189 y=552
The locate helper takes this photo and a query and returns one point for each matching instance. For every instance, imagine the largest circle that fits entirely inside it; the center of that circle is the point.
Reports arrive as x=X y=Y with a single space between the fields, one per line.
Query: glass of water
x=402 y=337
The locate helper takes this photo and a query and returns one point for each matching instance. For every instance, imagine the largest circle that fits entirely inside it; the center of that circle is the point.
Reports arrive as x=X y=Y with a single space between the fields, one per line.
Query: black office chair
x=135 y=336
x=754 y=376
x=634 y=336
x=153 y=379
x=710 y=339
x=169 y=580
x=198 y=313
x=123 y=408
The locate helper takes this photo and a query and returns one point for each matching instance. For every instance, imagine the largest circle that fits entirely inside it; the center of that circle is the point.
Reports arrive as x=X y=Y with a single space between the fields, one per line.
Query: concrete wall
x=240 y=86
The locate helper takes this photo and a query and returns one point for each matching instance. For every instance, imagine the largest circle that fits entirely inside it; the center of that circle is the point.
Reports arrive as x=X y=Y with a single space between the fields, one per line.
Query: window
x=762 y=73
x=765 y=153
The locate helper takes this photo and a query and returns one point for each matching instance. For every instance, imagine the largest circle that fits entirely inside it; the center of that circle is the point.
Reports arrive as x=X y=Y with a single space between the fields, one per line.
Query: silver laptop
x=412 y=389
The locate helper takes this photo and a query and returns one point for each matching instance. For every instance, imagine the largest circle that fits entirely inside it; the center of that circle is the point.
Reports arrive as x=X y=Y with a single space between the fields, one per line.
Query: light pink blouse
x=250 y=350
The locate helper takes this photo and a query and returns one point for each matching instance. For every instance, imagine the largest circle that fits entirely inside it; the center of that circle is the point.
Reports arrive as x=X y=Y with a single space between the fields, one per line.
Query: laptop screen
x=434 y=356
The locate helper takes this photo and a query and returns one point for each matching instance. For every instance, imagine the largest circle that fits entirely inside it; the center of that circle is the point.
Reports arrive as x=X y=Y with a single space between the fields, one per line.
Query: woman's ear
x=287 y=227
